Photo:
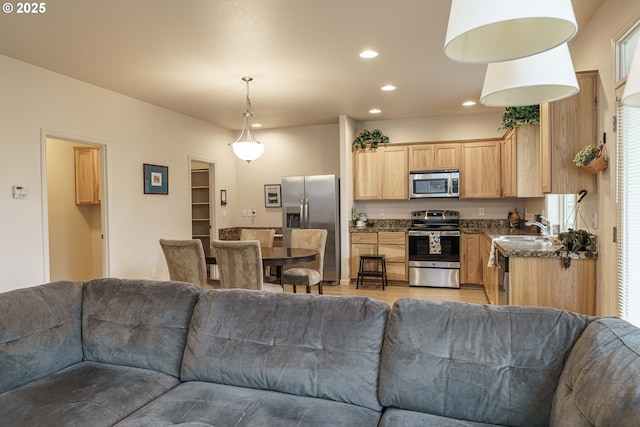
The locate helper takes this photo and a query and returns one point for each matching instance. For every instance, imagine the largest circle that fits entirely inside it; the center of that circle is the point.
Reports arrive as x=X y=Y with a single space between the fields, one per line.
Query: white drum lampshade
x=544 y=77
x=484 y=31
x=631 y=95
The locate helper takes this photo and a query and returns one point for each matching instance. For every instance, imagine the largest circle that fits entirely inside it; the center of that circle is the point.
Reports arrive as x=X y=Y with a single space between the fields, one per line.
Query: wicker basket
x=596 y=165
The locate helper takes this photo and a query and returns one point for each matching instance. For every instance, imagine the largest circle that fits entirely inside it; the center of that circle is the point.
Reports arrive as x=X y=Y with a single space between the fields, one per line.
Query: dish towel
x=492 y=255
x=434 y=242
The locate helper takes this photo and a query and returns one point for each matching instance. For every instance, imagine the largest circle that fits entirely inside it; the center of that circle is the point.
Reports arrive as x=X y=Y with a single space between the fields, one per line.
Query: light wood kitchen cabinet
x=381 y=174
x=393 y=245
x=520 y=160
x=489 y=274
x=544 y=282
x=480 y=170
x=361 y=244
x=425 y=157
x=366 y=173
x=566 y=126
x=87 y=175
x=395 y=175
x=390 y=244
x=470 y=259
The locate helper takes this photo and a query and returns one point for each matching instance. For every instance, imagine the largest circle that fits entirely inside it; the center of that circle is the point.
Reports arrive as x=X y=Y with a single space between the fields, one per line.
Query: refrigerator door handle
x=302 y=217
x=306 y=212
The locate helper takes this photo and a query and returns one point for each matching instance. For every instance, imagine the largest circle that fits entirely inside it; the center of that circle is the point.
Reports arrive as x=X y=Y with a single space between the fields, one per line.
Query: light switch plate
x=20 y=192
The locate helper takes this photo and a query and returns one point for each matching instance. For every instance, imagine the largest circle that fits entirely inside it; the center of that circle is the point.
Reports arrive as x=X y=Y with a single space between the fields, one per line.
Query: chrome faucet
x=546 y=229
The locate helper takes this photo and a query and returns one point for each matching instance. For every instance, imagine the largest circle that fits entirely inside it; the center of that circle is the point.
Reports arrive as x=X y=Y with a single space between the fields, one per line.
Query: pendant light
x=631 y=95
x=544 y=77
x=246 y=147
x=502 y=30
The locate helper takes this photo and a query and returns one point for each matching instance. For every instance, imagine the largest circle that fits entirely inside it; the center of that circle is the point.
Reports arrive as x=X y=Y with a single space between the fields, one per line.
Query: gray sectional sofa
x=145 y=353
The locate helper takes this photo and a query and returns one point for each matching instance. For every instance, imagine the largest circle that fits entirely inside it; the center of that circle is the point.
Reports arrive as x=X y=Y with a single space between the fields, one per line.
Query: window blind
x=628 y=139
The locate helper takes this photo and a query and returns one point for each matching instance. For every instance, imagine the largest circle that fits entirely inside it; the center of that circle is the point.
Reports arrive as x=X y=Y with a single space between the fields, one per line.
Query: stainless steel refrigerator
x=313 y=202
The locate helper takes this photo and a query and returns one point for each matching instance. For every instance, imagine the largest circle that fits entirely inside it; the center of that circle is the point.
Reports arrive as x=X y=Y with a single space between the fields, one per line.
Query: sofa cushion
x=86 y=394
x=600 y=384
x=208 y=404
x=487 y=364
x=309 y=345
x=39 y=332
x=393 y=417
x=140 y=323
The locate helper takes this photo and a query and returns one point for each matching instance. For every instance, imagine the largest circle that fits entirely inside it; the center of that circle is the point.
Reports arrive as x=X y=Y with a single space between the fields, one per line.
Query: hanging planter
x=575 y=244
x=591 y=158
x=370 y=138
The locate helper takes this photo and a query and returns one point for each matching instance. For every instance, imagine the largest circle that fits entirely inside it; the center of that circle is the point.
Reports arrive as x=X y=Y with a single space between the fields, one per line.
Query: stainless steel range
x=434 y=249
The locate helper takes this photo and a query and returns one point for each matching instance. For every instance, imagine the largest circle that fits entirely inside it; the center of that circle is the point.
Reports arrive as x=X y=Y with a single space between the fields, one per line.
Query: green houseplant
x=514 y=117
x=371 y=138
x=591 y=158
x=574 y=243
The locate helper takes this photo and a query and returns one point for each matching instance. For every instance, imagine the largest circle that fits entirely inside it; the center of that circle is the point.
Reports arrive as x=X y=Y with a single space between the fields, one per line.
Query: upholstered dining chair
x=264 y=235
x=310 y=273
x=186 y=261
x=240 y=265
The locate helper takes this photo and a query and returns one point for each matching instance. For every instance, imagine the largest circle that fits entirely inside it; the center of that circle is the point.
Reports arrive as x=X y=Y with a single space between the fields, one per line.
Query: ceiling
x=189 y=56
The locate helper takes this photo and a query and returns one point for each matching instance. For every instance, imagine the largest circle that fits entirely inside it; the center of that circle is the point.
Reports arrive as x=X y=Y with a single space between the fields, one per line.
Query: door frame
x=104 y=203
x=213 y=222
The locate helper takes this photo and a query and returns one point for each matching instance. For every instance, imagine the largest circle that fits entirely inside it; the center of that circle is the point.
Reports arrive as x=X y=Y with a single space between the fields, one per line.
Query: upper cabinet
x=425 y=157
x=87 y=171
x=381 y=174
x=566 y=126
x=521 y=162
x=480 y=170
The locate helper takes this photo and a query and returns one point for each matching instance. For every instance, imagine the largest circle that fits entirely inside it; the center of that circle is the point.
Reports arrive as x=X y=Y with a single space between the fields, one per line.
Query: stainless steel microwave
x=434 y=184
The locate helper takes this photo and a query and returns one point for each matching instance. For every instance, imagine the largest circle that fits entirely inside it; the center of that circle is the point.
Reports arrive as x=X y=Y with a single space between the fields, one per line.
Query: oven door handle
x=426 y=233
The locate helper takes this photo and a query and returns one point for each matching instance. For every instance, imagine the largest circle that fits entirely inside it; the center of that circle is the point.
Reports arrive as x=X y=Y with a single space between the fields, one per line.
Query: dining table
x=275 y=257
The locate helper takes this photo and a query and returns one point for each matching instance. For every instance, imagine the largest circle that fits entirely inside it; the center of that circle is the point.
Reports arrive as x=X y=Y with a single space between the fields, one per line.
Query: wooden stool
x=380 y=269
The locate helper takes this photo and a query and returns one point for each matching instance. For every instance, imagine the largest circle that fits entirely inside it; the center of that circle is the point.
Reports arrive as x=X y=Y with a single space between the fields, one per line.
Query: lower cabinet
x=489 y=274
x=470 y=259
x=393 y=245
x=390 y=244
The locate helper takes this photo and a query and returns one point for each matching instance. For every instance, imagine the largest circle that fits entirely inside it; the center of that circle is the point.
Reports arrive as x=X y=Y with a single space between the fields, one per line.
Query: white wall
x=135 y=132
x=309 y=150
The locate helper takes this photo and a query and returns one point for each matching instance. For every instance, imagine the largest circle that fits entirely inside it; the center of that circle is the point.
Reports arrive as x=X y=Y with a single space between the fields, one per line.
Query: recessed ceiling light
x=469 y=103
x=256 y=125
x=388 y=87
x=375 y=111
x=368 y=54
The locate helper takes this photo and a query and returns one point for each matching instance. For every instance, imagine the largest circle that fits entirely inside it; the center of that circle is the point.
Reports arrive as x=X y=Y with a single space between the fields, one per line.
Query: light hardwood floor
x=393 y=293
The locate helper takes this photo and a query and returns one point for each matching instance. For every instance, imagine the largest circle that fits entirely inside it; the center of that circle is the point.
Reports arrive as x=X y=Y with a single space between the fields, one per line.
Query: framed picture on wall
x=272 y=196
x=156 y=179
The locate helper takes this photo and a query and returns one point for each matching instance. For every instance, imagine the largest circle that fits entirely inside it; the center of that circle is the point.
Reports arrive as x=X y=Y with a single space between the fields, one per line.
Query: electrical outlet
x=481 y=212
x=381 y=212
x=154 y=274
x=245 y=212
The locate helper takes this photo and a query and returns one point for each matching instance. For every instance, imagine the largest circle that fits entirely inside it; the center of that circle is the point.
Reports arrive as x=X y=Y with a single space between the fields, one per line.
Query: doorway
x=203 y=206
x=75 y=206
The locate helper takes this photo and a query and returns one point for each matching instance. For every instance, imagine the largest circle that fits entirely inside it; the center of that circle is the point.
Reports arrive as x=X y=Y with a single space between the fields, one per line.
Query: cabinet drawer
x=391 y=238
x=364 y=238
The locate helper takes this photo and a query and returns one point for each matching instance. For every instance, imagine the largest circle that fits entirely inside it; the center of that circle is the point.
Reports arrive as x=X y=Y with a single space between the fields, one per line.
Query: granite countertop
x=492 y=228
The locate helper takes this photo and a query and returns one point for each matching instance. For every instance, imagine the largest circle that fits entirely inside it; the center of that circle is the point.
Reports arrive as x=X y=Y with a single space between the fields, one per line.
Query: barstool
x=380 y=269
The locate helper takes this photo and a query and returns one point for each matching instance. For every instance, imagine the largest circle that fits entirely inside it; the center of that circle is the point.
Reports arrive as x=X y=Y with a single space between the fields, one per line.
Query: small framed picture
x=156 y=179
x=272 y=196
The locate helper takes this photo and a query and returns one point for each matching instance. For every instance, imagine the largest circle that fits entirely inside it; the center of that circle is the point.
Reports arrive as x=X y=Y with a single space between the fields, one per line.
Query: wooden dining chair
x=310 y=273
x=186 y=261
x=240 y=265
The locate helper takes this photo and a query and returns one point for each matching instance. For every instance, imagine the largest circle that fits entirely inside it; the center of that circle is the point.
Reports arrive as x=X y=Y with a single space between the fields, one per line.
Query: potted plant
x=591 y=158
x=514 y=117
x=372 y=138
x=574 y=243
